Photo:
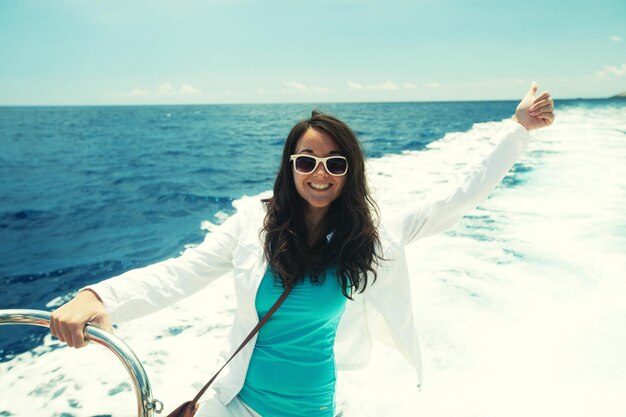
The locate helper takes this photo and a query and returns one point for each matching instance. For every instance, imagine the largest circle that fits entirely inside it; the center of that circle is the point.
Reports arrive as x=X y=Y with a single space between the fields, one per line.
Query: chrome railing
x=146 y=405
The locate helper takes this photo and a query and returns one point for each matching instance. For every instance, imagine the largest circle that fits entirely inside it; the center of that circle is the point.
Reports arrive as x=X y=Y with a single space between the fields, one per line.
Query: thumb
x=533 y=89
x=103 y=322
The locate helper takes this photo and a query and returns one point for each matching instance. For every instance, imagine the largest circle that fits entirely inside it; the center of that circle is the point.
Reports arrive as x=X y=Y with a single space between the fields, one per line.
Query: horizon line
x=295 y=102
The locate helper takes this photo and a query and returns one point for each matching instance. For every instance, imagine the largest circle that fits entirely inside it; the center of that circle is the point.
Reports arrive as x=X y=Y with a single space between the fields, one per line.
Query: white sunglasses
x=334 y=165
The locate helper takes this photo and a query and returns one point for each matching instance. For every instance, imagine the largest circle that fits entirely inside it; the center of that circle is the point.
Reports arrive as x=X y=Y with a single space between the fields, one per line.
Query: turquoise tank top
x=292 y=369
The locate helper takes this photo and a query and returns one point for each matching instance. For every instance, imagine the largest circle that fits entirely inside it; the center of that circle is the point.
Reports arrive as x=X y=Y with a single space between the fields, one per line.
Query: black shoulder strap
x=250 y=336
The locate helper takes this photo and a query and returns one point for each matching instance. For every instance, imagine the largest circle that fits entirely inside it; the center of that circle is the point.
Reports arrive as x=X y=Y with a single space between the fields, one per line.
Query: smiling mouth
x=319 y=186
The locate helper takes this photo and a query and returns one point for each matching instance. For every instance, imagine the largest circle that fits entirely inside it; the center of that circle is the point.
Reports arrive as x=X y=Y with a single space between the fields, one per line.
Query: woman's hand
x=535 y=112
x=67 y=323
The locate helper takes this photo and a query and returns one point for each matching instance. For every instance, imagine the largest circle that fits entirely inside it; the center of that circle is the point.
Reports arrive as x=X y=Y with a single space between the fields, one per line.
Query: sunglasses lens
x=305 y=164
x=337 y=166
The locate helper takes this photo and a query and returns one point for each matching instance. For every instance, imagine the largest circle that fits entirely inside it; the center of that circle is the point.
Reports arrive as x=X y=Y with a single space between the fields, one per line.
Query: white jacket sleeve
x=449 y=203
x=145 y=290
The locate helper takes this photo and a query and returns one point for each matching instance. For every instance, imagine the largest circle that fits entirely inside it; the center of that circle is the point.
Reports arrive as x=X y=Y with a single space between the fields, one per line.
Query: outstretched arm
x=446 y=205
x=145 y=290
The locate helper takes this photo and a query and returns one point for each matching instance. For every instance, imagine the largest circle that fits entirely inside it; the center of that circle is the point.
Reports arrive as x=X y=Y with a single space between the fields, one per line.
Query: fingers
x=543 y=97
x=539 y=111
x=70 y=332
x=78 y=336
x=67 y=336
x=103 y=322
x=542 y=104
x=54 y=328
x=548 y=118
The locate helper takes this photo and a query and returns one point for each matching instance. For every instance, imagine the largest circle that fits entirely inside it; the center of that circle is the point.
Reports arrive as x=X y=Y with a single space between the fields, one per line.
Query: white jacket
x=383 y=311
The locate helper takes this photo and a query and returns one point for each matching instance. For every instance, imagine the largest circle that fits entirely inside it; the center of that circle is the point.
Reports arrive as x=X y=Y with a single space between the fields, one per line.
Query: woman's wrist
x=516 y=120
x=88 y=292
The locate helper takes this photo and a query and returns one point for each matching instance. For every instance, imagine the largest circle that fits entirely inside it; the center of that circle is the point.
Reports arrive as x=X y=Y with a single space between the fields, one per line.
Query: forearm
x=146 y=290
x=142 y=291
x=450 y=202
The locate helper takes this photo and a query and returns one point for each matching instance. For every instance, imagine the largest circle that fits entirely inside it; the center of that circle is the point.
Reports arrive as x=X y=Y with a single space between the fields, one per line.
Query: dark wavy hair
x=352 y=218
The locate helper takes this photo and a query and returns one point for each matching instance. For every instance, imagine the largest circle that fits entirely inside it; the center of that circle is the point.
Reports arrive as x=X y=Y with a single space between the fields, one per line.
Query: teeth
x=319 y=186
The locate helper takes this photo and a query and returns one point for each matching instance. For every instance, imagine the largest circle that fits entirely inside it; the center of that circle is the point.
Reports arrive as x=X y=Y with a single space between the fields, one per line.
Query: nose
x=320 y=171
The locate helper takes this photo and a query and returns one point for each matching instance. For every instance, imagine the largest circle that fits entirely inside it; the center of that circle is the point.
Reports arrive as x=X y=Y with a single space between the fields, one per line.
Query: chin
x=320 y=204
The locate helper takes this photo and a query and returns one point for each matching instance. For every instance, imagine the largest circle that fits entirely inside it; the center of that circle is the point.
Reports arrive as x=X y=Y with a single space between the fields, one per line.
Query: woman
x=319 y=230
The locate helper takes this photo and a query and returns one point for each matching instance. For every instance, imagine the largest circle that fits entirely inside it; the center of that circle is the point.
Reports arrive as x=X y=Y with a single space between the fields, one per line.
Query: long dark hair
x=352 y=218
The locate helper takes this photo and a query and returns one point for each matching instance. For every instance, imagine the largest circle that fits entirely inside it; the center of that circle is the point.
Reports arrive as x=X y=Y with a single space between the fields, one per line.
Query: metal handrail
x=146 y=405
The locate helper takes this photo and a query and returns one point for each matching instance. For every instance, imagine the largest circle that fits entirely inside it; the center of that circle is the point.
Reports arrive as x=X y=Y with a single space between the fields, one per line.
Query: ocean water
x=520 y=305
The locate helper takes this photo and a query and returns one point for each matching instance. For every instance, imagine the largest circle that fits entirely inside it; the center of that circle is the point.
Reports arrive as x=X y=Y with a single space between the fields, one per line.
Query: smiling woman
x=320 y=245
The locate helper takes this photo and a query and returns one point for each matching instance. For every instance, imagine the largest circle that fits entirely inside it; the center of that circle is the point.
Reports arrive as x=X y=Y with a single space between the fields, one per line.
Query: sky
x=107 y=52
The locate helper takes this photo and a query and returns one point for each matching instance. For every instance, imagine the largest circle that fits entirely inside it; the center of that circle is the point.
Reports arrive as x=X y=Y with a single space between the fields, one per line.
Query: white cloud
x=432 y=84
x=615 y=70
x=615 y=38
x=297 y=87
x=189 y=90
x=386 y=86
x=165 y=89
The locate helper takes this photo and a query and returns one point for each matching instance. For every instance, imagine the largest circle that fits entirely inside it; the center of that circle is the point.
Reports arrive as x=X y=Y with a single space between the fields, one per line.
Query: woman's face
x=318 y=189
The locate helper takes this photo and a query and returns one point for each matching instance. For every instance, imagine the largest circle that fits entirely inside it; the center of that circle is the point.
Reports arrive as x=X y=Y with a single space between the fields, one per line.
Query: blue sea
x=527 y=287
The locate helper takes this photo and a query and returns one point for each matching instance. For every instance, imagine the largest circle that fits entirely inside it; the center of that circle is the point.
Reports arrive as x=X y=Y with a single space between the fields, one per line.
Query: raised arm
x=145 y=290
x=449 y=203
